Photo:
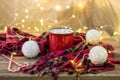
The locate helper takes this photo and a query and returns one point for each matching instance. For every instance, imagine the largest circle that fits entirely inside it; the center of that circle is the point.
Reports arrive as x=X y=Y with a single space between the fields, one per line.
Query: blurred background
x=37 y=16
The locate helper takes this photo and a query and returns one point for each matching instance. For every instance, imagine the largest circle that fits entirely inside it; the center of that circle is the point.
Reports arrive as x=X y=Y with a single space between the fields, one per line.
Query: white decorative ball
x=98 y=55
x=93 y=36
x=30 y=49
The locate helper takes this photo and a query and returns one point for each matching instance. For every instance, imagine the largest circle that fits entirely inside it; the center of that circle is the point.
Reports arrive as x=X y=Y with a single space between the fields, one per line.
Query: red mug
x=60 y=39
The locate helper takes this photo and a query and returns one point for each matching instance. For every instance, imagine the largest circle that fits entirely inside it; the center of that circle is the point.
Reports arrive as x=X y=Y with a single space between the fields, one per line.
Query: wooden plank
x=5 y=75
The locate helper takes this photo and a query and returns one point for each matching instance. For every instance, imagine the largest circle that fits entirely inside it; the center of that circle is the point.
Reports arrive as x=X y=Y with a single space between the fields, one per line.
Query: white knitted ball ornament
x=30 y=49
x=98 y=55
x=93 y=36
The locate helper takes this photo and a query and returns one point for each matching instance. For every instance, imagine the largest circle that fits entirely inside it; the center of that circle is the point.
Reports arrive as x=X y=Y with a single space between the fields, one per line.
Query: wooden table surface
x=5 y=75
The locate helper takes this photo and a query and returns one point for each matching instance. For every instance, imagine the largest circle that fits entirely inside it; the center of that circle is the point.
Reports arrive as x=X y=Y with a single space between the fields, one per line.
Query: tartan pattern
x=14 y=38
x=2 y=37
x=58 y=61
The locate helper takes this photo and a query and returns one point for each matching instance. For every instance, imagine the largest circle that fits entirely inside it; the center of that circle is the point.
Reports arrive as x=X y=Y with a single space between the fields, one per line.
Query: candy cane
x=26 y=64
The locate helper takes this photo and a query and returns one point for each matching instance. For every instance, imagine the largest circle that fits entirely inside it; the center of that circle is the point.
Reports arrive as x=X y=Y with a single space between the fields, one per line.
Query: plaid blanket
x=58 y=61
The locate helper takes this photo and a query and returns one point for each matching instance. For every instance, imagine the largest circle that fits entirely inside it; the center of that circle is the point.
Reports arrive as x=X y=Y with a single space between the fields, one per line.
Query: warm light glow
x=27 y=16
x=101 y=27
x=36 y=0
x=16 y=14
x=23 y=20
x=18 y=27
x=41 y=20
x=16 y=24
x=42 y=8
x=73 y=16
x=79 y=30
x=49 y=26
x=79 y=64
x=35 y=27
x=80 y=4
x=37 y=30
x=23 y=26
x=38 y=4
x=67 y=7
x=65 y=27
x=5 y=29
x=41 y=24
x=49 y=13
x=110 y=51
x=101 y=32
x=85 y=28
x=72 y=61
x=26 y=10
x=115 y=33
x=101 y=37
x=57 y=7
x=56 y=21
x=70 y=28
x=29 y=28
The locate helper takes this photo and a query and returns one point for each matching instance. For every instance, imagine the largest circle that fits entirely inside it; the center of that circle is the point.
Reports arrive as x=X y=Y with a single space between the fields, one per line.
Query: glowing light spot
x=26 y=10
x=73 y=16
x=115 y=33
x=16 y=24
x=66 y=27
x=36 y=0
x=18 y=27
x=101 y=27
x=49 y=26
x=37 y=30
x=79 y=30
x=23 y=26
x=70 y=28
x=101 y=38
x=42 y=8
x=35 y=27
x=38 y=4
x=101 y=32
x=5 y=29
x=80 y=5
x=27 y=16
x=16 y=14
x=29 y=28
x=41 y=20
x=72 y=61
x=67 y=7
x=57 y=7
x=85 y=27
x=42 y=24
x=56 y=21
x=22 y=20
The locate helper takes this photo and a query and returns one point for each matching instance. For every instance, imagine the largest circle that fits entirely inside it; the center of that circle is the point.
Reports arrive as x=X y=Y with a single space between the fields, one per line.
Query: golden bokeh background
x=41 y=15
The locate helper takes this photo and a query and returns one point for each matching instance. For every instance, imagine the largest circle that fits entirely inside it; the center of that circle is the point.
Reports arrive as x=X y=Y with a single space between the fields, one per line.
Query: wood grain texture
x=5 y=75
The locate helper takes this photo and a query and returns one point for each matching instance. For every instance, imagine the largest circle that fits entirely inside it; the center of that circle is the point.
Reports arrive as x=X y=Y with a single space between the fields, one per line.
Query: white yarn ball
x=98 y=55
x=93 y=36
x=30 y=49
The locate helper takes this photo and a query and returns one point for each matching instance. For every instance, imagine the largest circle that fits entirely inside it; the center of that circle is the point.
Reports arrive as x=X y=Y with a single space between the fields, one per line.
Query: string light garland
x=47 y=14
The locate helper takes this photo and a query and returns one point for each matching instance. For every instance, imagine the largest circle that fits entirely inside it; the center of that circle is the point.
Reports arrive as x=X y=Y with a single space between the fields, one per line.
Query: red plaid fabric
x=15 y=38
x=2 y=37
x=55 y=62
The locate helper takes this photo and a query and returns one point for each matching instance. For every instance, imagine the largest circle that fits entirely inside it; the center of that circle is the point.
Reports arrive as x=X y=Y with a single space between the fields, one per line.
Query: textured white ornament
x=30 y=49
x=93 y=36
x=98 y=55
